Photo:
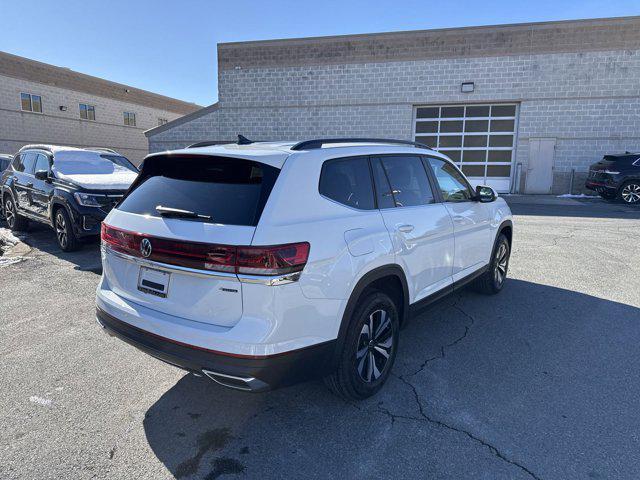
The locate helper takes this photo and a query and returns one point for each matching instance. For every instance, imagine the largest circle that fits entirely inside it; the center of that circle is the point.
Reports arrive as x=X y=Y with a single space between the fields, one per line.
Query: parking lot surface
x=538 y=382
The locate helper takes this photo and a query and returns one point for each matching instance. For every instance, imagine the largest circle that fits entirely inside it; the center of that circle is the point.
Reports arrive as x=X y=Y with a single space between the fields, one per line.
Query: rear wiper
x=179 y=213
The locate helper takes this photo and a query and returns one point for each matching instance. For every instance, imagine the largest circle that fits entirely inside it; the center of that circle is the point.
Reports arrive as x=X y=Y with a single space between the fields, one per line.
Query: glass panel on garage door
x=480 y=139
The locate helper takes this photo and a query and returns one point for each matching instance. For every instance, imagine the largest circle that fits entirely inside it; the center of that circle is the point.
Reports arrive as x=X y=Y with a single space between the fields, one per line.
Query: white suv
x=264 y=264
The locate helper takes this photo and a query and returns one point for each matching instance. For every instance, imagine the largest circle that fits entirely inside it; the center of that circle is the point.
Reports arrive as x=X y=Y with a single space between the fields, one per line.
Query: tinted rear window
x=619 y=159
x=230 y=191
x=348 y=181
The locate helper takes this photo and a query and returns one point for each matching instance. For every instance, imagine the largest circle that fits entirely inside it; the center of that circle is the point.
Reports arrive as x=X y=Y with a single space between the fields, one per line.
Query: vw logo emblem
x=145 y=247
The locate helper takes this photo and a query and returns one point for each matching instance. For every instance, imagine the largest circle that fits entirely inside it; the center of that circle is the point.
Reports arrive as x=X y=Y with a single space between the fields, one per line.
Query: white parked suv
x=265 y=264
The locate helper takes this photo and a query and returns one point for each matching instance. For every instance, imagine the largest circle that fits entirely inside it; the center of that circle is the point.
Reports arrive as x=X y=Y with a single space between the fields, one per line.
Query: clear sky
x=169 y=47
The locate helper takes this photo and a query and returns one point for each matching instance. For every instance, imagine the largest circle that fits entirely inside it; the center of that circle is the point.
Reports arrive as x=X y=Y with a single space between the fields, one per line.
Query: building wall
x=54 y=126
x=588 y=101
x=575 y=81
x=204 y=126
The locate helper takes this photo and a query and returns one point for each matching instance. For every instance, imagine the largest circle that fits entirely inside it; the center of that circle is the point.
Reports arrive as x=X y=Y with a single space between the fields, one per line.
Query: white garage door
x=478 y=138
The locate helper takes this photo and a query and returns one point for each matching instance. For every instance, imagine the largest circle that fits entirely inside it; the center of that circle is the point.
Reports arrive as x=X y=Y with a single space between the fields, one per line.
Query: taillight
x=263 y=260
x=276 y=260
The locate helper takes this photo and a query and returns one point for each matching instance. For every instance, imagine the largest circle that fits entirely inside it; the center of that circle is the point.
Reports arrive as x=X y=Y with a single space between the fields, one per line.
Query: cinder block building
x=41 y=103
x=524 y=108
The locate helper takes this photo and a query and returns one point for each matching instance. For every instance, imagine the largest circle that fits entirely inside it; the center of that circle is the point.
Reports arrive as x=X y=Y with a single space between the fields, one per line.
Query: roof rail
x=207 y=144
x=46 y=148
x=103 y=149
x=318 y=143
x=242 y=140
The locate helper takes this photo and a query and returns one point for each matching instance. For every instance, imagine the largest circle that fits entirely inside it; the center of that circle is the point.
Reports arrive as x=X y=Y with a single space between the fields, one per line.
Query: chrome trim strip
x=170 y=268
x=212 y=375
x=269 y=280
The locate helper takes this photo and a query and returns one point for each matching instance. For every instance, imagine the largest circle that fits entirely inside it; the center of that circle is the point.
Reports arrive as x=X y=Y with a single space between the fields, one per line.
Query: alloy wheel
x=375 y=346
x=631 y=193
x=9 y=213
x=61 y=230
x=502 y=260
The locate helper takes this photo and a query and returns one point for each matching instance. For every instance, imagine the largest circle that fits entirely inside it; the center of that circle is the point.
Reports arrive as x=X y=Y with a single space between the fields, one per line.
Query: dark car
x=616 y=177
x=5 y=161
x=70 y=189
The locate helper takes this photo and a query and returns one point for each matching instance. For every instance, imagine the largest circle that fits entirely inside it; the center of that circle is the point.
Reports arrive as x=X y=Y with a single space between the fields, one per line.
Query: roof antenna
x=242 y=140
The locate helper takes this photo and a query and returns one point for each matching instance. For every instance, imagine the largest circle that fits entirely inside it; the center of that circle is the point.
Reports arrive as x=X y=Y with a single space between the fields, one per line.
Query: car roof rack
x=205 y=144
x=242 y=140
x=36 y=146
x=319 y=142
x=103 y=149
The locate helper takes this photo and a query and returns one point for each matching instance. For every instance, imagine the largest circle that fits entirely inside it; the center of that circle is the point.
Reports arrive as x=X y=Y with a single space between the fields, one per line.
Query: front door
x=421 y=229
x=540 y=169
x=41 y=190
x=471 y=222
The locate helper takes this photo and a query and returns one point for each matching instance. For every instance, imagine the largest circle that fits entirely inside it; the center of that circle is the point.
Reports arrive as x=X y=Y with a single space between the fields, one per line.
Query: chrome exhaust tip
x=247 y=384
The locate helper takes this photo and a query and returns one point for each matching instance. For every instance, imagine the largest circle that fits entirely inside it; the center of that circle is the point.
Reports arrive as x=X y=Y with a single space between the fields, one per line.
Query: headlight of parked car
x=89 y=199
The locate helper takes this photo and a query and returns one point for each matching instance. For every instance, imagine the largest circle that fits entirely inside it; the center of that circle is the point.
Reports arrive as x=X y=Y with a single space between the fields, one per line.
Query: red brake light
x=268 y=260
x=276 y=260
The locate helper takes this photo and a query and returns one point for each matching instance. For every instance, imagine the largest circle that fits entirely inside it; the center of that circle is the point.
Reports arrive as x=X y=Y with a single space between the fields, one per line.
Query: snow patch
x=103 y=181
x=571 y=195
x=45 y=402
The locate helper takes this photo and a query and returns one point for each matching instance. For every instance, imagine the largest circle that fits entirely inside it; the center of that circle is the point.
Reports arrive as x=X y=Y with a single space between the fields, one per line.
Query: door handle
x=458 y=219
x=405 y=228
x=29 y=185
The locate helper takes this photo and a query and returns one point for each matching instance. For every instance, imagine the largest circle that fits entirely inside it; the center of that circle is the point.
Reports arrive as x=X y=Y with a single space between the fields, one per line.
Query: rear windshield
x=619 y=159
x=230 y=191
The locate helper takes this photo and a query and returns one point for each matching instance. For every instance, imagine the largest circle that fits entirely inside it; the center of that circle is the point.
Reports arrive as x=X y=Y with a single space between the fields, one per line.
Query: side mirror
x=485 y=194
x=42 y=175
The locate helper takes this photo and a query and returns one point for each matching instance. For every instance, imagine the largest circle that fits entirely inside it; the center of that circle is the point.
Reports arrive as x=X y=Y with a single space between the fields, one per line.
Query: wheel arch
x=505 y=227
x=389 y=279
x=56 y=202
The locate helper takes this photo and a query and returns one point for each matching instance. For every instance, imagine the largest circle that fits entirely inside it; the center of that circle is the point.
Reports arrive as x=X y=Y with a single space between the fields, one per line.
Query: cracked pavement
x=538 y=382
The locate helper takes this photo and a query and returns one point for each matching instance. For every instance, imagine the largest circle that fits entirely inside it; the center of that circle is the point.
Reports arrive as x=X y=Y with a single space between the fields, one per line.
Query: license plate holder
x=154 y=282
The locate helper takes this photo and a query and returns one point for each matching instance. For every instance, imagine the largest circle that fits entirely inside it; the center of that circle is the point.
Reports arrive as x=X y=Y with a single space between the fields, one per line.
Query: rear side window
x=228 y=190
x=348 y=181
x=3 y=164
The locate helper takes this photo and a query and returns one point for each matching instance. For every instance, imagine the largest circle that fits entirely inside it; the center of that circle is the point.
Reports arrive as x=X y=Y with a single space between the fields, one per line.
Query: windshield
x=91 y=163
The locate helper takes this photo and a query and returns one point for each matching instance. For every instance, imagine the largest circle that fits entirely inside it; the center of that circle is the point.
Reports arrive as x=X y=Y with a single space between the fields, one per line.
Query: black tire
x=629 y=192
x=607 y=197
x=363 y=356
x=15 y=221
x=492 y=281
x=66 y=237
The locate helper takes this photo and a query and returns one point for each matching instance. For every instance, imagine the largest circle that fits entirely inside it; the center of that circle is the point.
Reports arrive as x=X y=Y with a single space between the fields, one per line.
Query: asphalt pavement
x=538 y=382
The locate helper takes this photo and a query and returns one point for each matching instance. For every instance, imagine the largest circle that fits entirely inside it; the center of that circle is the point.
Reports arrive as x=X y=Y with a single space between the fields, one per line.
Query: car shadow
x=43 y=238
x=580 y=207
x=471 y=373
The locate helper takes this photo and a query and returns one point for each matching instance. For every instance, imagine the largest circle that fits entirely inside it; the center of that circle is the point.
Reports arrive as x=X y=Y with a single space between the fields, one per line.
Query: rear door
x=23 y=180
x=172 y=272
x=421 y=229
x=471 y=222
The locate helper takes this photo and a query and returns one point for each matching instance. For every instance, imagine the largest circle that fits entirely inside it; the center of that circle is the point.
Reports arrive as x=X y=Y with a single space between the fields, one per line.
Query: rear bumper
x=601 y=187
x=244 y=372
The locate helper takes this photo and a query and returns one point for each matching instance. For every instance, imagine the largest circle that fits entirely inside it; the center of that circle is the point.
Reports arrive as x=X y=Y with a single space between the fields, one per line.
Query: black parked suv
x=5 y=161
x=69 y=189
x=616 y=177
